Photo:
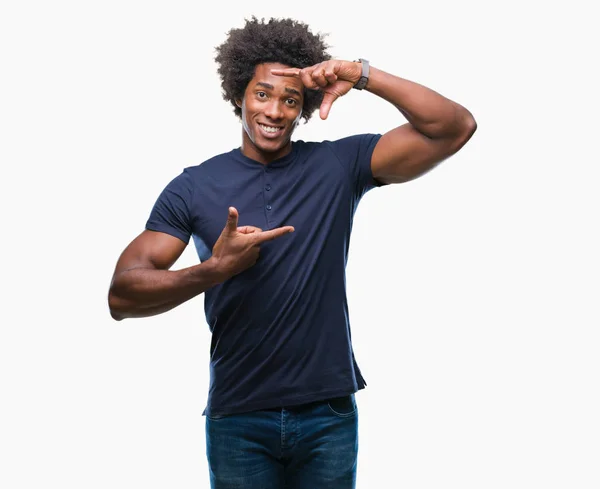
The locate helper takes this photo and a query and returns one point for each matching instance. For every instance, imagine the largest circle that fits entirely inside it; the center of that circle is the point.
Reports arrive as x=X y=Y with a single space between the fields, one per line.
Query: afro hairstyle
x=286 y=41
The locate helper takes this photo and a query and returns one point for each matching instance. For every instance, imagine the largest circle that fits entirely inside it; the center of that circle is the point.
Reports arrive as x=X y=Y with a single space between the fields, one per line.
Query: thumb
x=328 y=100
x=232 y=220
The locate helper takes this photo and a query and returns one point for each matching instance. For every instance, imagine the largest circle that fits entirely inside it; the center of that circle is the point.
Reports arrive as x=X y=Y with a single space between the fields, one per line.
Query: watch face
x=361 y=83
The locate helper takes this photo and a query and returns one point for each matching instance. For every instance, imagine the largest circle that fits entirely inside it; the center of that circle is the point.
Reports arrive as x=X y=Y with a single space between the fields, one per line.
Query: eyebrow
x=271 y=87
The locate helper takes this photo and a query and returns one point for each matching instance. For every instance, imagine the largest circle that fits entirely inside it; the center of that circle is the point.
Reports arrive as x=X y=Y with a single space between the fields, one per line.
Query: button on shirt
x=280 y=329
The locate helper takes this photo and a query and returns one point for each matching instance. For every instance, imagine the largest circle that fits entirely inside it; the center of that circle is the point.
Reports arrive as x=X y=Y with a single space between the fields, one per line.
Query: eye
x=291 y=102
x=261 y=94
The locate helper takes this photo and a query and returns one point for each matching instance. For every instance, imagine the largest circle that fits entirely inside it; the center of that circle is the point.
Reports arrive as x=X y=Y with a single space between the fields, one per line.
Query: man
x=271 y=223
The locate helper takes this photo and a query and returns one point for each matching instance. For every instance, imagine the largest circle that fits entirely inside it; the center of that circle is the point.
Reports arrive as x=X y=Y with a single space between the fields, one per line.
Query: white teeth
x=269 y=129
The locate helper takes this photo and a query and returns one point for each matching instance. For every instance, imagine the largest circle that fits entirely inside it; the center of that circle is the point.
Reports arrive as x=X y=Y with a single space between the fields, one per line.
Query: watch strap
x=364 y=78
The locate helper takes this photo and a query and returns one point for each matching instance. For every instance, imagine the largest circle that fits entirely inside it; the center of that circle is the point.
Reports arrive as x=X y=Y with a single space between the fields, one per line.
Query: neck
x=250 y=150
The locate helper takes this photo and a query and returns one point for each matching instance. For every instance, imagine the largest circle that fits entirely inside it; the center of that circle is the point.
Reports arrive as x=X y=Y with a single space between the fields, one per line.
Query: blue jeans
x=313 y=446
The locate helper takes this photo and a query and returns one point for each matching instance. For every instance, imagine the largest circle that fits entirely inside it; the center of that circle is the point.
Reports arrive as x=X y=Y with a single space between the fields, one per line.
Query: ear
x=238 y=102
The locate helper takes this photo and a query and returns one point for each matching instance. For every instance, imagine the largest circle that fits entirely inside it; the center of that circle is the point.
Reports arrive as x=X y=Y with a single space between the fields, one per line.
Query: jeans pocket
x=343 y=407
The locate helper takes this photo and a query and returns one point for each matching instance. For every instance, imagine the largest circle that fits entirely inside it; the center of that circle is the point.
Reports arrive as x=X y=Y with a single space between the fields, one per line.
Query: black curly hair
x=286 y=41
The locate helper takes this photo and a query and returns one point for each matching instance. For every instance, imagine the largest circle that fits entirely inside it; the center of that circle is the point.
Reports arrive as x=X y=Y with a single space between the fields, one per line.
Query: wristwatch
x=362 y=83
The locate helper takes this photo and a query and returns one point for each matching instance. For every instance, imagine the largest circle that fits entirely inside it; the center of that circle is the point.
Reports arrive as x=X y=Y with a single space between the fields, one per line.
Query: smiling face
x=271 y=109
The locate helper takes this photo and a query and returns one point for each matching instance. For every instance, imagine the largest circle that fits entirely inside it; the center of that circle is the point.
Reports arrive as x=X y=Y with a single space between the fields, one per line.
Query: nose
x=273 y=110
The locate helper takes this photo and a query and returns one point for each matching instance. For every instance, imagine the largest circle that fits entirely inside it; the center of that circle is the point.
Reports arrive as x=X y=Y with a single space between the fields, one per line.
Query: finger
x=330 y=76
x=307 y=78
x=248 y=229
x=304 y=74
x=286 y=72
x=232 y=220
x=328 y=100
x=272 y=234
x=318 y=77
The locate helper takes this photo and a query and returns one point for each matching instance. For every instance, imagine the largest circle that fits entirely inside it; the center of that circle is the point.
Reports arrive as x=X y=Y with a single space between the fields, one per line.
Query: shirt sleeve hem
x=162 y=228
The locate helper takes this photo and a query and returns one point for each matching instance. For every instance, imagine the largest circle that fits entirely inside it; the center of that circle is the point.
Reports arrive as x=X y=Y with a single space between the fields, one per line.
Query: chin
x=272 y=146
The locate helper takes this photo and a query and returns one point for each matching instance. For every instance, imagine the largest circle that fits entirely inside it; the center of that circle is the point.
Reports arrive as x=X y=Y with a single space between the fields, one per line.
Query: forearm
x=142 y=292
x=427 y=111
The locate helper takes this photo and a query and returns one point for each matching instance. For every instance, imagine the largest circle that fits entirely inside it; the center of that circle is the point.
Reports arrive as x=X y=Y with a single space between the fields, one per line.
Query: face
x=271 y=110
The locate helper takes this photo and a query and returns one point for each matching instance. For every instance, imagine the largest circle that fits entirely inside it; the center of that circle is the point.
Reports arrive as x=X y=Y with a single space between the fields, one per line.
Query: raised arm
x=437 y=127
x=143 y=285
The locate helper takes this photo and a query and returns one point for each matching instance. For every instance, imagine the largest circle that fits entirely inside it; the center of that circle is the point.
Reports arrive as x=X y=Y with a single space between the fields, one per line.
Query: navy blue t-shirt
x=280 y=329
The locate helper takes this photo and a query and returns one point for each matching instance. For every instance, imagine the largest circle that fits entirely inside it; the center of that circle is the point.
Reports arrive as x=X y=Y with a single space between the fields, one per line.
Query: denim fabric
x=312 y=446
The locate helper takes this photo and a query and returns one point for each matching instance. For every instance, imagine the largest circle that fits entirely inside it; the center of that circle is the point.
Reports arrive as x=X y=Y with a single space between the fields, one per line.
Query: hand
x=334 y=77
x=238 y=248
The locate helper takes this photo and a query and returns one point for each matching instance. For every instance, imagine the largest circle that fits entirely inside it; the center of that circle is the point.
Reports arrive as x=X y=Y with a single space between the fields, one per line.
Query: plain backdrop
x=473 y=290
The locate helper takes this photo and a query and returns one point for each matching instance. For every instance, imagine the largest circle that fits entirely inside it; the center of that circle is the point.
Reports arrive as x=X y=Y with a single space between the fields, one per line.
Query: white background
x=473 y=290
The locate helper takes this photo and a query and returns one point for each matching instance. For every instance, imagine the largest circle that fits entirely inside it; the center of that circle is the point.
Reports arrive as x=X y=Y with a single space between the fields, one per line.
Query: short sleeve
x=171 y=213
x=354 y=153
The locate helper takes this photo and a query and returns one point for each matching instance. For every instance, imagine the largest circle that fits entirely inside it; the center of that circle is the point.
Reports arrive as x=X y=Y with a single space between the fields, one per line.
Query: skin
x=143 y=284
x=436 y=129
x=273 y=101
